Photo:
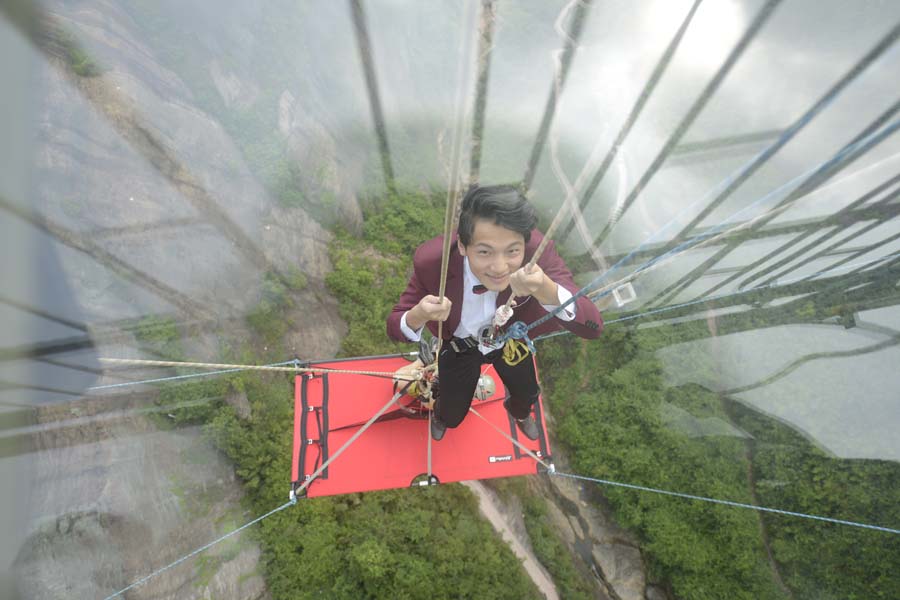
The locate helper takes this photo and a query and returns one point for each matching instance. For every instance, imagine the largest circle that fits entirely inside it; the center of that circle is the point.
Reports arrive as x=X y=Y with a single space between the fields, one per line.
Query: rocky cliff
x=153 y=211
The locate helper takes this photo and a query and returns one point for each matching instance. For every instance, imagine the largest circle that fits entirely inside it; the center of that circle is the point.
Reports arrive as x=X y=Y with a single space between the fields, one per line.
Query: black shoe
x=529 y=427
x=438 y=428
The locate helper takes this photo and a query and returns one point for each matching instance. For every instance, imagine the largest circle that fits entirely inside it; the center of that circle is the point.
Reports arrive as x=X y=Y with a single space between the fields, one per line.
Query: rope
x=445 y=262
x=454 y=188
x=667 y=257
x=295 y=361
x=560 y=214
x=573 y=190
x=295 y=369
x=557 y=220
x=681 y=248
x=514 y=441
x=773 y=285
x=201 y=549
x=430 y=417
x=551 y=231
x=714 y=234
x=504 y=312
x=552 y=471
x=177 y=377
x=777 y=511
x=571 y=193
x=517 y=443
x=291 y=502
x=352 y=439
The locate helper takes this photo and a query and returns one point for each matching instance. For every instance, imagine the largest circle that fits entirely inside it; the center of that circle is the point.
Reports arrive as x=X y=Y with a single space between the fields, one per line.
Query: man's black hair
x=504 y=205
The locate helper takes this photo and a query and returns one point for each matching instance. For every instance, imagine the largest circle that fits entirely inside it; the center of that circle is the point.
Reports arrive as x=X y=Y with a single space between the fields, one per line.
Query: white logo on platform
x=496 y=459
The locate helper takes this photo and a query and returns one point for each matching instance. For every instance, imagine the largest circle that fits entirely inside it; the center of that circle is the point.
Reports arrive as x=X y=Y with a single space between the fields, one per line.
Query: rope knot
x=503 y=314
x=519 y=331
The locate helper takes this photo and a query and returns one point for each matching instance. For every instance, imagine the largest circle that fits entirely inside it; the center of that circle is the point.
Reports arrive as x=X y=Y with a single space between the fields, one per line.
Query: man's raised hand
x=429 y=308
x=532 y=281
x=526 y=281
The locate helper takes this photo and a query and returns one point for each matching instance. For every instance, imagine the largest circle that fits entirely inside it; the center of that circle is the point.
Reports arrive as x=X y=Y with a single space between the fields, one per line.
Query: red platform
x=330 y=407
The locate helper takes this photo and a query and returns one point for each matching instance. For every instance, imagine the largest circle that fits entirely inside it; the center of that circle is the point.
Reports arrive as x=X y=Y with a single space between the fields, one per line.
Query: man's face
x=494 y=254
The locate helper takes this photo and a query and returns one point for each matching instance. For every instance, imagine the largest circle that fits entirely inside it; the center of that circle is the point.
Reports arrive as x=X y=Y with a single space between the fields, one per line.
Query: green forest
x=616 y=420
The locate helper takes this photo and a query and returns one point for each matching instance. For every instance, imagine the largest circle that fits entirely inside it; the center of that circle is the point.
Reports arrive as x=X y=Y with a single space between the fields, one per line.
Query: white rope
x=293 y=500
x=293 y=369
x=515 y=442
x=346 y=445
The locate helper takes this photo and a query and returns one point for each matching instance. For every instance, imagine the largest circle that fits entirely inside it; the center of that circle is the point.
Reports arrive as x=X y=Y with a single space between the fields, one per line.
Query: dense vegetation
x=371 y=272
x=818 y=559
x=622 y=423
x=613 y=424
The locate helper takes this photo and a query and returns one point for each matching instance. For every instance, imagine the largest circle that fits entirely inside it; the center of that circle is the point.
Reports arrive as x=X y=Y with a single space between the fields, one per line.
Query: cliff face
x=152 y=209
x=115 y=497
x=128 y=161
x=606 y=550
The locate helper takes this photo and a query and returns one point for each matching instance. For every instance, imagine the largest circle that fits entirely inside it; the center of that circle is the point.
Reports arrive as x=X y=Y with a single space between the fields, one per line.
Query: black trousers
x=459 y=373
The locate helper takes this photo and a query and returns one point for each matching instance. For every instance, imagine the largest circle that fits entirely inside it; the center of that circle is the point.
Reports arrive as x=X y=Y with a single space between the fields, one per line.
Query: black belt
x=461 y=345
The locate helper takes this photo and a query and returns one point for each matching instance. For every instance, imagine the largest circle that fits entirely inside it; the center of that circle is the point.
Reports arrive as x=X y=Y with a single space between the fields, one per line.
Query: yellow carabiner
x=515 y=351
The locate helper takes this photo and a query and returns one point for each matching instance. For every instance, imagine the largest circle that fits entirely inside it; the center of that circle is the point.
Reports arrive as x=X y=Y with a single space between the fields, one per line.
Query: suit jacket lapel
x=454 y=290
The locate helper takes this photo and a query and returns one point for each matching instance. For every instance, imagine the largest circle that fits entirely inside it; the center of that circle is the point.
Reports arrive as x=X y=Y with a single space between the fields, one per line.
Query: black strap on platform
x=321 y=415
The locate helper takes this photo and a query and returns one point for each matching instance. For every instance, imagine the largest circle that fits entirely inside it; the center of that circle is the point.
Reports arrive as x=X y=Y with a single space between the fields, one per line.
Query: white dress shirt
x=478 y=310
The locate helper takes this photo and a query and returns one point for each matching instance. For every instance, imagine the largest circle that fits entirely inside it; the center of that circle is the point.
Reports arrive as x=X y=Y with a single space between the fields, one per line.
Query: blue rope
x=872 y=139
x=519 y=331
x=772 y=285
x=141 y=581
x=696 y=239
x=177 y=377
x=777 y=511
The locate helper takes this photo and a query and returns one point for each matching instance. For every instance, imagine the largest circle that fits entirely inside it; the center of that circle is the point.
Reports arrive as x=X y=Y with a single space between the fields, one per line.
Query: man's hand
x=429 y=308
x=532 y=281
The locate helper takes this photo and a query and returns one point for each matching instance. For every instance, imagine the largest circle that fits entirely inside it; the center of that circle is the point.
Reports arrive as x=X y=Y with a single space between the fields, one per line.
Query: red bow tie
x=479 y=289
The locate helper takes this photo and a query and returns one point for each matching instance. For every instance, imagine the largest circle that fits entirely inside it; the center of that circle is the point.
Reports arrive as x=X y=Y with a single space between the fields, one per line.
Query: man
x=494 y=242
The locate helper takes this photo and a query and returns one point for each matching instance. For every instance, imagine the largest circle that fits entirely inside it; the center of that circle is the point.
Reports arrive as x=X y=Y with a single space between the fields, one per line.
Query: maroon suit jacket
x=426 y=280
